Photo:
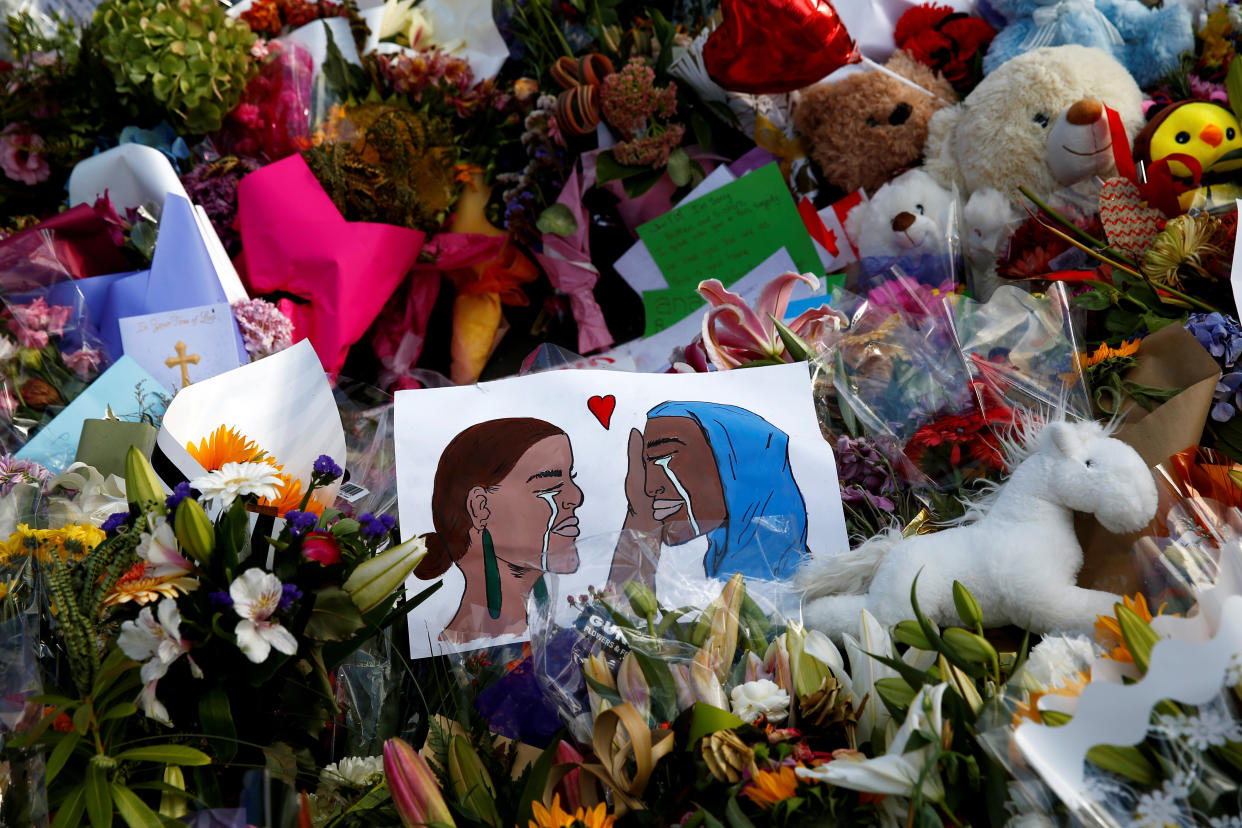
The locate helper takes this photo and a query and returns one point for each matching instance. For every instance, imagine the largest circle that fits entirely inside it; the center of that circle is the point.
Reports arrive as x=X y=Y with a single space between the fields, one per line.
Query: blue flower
x=288 y=594
x=115 y=521
x=1219 y=334
x=162 y=138
x=180 y=493
x=373 y=527
x=220 y=599
x=300 y=522
x=325 y=466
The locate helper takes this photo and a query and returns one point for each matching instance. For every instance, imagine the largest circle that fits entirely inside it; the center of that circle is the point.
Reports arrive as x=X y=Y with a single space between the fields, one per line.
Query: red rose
x=322 y=547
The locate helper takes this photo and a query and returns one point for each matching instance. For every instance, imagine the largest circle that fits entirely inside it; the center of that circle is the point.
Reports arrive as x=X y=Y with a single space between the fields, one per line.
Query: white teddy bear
x=908 y=216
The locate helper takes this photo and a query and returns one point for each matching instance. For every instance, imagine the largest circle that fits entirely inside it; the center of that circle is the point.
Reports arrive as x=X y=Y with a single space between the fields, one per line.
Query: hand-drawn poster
x=586 y=473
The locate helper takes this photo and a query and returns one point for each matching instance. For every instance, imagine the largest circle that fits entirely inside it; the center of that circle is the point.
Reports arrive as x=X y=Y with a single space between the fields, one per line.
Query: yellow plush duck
x=1207 y=132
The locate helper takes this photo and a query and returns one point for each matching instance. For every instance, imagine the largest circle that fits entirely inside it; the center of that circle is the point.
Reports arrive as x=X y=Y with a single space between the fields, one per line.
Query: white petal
x=279 y=637
x=255 y=594
x=170 y=618
x=887 y=774
x=140 y=638
x=151 y=706
x=252 y=644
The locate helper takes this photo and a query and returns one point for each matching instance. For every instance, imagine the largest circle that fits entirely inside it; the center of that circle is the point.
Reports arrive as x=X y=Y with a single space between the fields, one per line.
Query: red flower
x=944 y=40
x=322 y=547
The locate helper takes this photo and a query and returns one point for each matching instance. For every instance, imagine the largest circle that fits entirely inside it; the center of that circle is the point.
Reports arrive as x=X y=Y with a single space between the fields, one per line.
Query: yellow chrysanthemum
x=770 y=787
x=558 y=817
x=224 y=445
x=79 y=539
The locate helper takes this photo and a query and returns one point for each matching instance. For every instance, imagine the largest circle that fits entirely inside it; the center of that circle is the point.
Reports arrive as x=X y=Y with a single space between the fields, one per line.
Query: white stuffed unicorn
x=1015 y=549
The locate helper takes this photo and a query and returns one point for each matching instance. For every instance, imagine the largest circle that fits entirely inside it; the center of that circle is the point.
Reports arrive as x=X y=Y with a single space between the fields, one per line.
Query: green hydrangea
x=186 y=55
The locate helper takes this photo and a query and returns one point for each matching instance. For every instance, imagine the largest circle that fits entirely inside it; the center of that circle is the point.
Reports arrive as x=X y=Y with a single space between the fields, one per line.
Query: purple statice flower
x=860 y=463
x=14 y=472
x=288 y=594
x=300 y=522
x=1220 y=335
x=115 y=521
x=374 y=527
x=264 y=329
x=220 y=599
x=180 y=492
x=325 y=466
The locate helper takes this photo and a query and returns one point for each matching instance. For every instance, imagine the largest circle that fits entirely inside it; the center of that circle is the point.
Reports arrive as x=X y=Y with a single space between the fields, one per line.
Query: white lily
x=867 y=671
x=97 y=496
x=159 y=550
x=256 y=596
x=155 y=639
x=895 y=772
x=395 y=18
x=820 y=647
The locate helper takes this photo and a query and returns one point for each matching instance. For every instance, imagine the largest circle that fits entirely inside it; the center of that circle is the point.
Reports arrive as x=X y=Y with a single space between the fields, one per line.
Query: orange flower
x=1030 y=709
x=770 y=787
x=1108 y=629
x=224 y=445
x=558 y=817
x=289 y=497
x=1104 y=353
x=137 y=586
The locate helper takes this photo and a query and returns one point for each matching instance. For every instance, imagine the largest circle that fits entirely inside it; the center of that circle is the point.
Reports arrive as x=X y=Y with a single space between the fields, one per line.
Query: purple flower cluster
x=180 y=492
x=288 y=594
x=863 y=474
x=1221 y=336
x=325 y=466
x=374 y=527
x=115 y=521
x=213 y=185
x=300 y=522
x=220 y=599
x=14 y=472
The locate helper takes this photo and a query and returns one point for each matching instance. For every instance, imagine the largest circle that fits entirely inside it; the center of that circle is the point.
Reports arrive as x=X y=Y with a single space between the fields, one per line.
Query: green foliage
x=187 y=55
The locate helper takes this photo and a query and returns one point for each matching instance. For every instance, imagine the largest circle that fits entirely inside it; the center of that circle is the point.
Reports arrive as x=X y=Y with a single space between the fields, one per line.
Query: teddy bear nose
x=1085 y=112
x=902 y=222
x=900 y=114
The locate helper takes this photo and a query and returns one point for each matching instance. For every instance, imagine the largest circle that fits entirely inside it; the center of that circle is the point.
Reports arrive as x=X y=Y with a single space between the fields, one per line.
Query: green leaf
x=345 y=79
x=707 y=719
x=679 y=167
x=217 y=719
x=734 y=815
x=895 y=692
x=1092 y=300
x=798 y=348
x=119 y=711
x=98 y=796
x=335 y=617
x=660 y=680
x=82 y=718
x=69 y=814
x=135 y=812
x=60 y=754
x=558 y=220
x=1126 y=761
x=638 y=186
x=346 y=526
x=165 y=754
x=607 y=168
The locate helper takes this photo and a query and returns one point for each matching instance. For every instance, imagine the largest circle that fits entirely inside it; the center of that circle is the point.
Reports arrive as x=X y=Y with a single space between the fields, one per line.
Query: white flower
x=355 y=771
x=97 y=496
x=895 y=772
x=256 y=595
x=1233 y=673
x=1211 y=727
x=233 y=480
x=1158 y=809
x=1225 y=822
x=760 y=698
x=156 y=643
x=8 y=349
x=1056 y=661
x=159 y=550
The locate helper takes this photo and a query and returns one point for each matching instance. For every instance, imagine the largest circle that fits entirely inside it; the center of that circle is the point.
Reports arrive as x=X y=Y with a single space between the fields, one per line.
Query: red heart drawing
x=602 y=408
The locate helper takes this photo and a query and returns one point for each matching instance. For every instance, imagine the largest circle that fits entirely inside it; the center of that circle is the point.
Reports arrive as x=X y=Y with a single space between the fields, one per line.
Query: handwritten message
x=722 y=235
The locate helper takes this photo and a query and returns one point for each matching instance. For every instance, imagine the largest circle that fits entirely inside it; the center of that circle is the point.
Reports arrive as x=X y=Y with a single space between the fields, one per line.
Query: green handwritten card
x=722 y=235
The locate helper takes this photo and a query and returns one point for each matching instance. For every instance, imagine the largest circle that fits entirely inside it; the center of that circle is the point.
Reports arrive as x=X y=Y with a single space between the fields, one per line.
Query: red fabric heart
x=602 y=408
x=771 y=46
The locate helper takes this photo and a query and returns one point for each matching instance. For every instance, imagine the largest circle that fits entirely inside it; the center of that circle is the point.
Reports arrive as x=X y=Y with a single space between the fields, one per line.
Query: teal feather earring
x=491 y=575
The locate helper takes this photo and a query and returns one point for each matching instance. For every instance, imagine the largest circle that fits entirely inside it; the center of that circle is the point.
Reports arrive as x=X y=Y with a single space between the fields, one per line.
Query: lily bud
x=776 y=663
x=909 y=632
x=374 y=580
x=142 y=485
x=596 y=669
x=1138 y=635
x=413 y=787
x=171 y=804
x=808 y=672
x=194 y=531
x=632 y=685
x=971 y=646
x=642 y=599
x=967 y=607
x=704 y=684
x=569 y=786
x=719 y=624
x=470 y=781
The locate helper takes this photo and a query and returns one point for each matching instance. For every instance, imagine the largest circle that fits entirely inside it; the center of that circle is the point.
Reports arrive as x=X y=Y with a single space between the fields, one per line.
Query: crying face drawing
x=723 y=472
x=504 y=507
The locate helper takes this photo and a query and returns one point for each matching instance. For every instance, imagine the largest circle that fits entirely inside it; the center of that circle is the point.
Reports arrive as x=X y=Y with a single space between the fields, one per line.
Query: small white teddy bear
x=910 y=215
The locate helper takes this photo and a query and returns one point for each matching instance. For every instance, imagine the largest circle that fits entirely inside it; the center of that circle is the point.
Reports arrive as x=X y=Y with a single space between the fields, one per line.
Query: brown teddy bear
x=865 y=128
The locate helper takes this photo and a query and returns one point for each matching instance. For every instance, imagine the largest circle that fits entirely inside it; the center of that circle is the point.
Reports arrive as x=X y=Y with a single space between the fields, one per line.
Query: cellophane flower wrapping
x=49 y=351
x=273 y=118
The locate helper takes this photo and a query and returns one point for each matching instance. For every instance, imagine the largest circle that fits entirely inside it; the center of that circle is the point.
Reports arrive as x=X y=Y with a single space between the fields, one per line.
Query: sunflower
x=224 y=445
x=137 y=586
x=770 y=787
x=1108 y=628
x=558 y=817
x=1105 y=353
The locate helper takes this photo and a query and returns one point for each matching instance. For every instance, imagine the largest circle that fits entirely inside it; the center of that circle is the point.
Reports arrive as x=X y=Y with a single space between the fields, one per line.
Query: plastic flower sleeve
x=367 y=417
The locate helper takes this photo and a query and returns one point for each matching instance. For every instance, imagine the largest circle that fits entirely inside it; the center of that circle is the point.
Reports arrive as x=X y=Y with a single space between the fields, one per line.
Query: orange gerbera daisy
x=1108 y=628
x=224 y=445
x=137 y=586
x=289 y=497
x=558 y=817
x=1029 y=709
x=770 y=787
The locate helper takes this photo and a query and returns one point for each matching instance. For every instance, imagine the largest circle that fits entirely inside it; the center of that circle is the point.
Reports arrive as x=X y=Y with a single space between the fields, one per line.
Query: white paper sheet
x=776 y=399
x=131 y=174
x=181 y=347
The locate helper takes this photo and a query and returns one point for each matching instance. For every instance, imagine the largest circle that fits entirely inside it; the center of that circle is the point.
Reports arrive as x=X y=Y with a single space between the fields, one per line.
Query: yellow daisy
x=558 y=817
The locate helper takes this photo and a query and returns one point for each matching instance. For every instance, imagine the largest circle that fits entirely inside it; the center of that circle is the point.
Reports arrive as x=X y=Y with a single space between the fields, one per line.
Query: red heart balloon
x=767 y=47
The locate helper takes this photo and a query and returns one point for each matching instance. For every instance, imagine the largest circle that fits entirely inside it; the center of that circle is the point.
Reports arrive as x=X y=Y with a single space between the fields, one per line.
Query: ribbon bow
x=1055 y=24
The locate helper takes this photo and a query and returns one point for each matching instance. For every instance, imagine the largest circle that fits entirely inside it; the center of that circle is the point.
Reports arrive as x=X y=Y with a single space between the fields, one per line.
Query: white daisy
x=1228 y=821
x=355 y=771
x=233 y=480
x=256 y=595
x=1210 y=727
x=1158 y=809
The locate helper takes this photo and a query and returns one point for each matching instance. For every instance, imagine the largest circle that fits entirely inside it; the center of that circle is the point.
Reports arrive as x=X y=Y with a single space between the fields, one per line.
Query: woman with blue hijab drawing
x=707 y=469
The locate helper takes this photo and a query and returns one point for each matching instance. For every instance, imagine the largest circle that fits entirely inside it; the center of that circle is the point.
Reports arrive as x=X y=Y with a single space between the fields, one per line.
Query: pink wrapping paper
x=295 y=240
x=567 y=261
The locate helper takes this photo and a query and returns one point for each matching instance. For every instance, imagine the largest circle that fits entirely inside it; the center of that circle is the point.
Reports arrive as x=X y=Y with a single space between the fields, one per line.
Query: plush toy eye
x=1041 y=119
x=871 y=121
x=1229 y=133
x=1182 y=137
x=919 y=207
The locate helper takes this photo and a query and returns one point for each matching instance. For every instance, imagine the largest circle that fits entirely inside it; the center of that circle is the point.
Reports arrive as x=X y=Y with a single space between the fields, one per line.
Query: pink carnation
x=84 y=361
x=21 y=157
x=264 y=328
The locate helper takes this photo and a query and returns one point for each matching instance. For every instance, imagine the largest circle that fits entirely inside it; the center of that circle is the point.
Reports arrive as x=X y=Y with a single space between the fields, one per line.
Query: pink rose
x=85 y=361
x=322 y=547
x=21 y=158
